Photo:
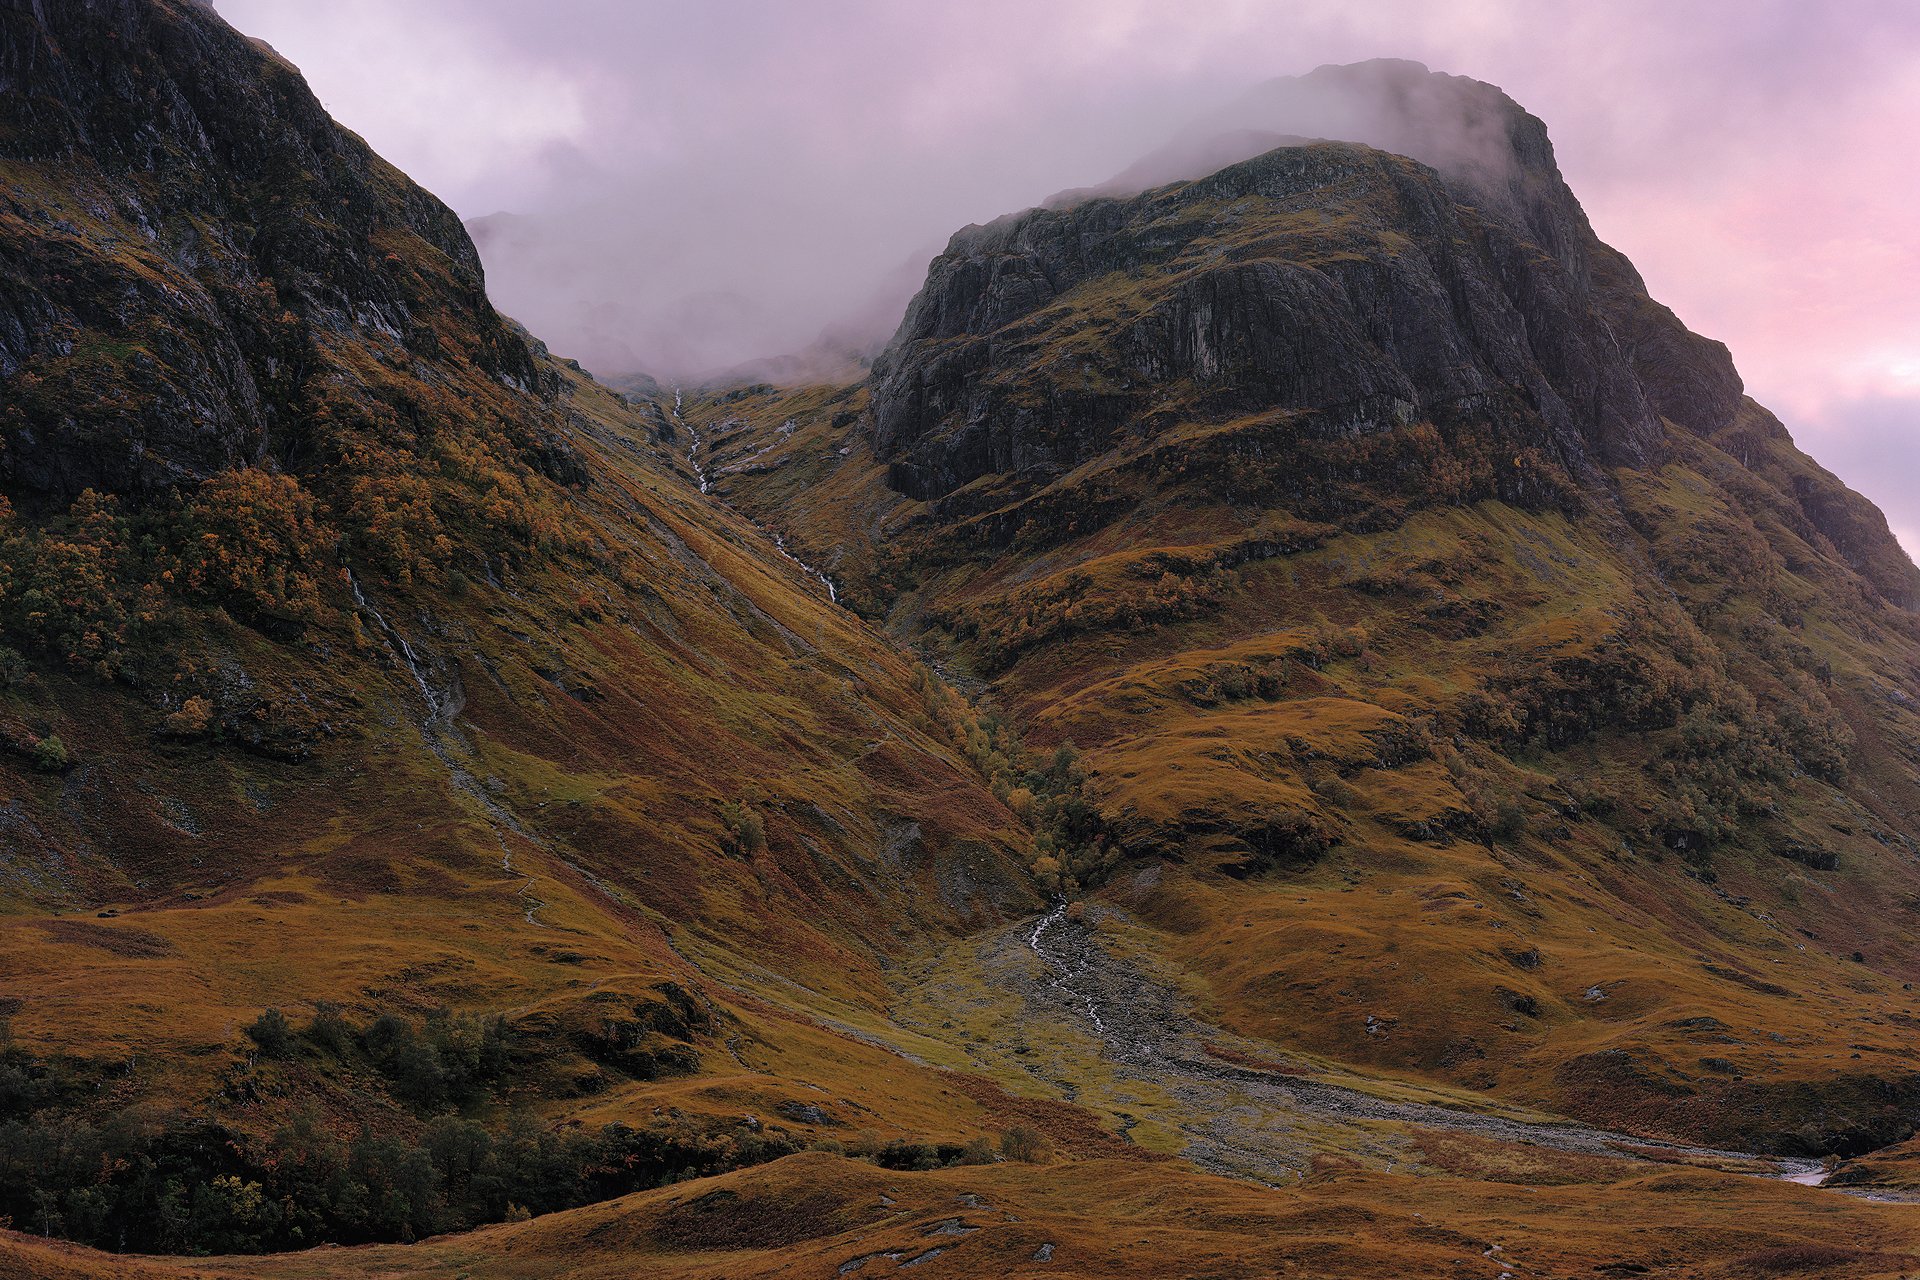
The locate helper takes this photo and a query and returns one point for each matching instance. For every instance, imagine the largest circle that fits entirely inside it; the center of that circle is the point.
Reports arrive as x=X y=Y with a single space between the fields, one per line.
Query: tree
x=1026 y=1144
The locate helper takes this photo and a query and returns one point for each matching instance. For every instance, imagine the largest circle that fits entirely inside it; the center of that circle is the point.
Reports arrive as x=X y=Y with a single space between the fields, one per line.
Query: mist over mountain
x=828 y=146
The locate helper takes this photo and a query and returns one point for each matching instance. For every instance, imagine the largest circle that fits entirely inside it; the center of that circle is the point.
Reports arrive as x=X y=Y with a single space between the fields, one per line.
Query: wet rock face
x=1358 y=289
x=160 y=314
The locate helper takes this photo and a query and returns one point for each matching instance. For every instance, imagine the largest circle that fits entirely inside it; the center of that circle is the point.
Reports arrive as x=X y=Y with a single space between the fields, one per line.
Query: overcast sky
x=705 y=180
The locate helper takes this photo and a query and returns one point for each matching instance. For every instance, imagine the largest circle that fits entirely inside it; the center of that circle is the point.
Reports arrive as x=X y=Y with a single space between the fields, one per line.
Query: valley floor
x=1325 y=1173
x=1077 y=1016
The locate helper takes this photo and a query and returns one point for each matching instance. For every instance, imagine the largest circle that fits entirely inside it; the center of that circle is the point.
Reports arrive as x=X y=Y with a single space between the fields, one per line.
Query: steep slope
x=1471 y=683
x=366 y=663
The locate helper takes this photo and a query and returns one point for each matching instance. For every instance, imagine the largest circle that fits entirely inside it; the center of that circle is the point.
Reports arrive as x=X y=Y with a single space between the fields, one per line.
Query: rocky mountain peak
x=1497 y=152
x=1356 y=288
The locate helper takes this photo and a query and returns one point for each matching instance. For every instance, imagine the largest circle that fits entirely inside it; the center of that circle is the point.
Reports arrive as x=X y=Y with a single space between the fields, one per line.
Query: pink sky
x=773 y=162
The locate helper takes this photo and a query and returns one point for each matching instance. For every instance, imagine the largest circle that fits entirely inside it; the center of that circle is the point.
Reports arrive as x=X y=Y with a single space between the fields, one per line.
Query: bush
x=746 y=832
x=1026 y=1144
x=50 y=754
x=329 y=1030
x=271 y=1033
x=192 y=720
x=979 y=1151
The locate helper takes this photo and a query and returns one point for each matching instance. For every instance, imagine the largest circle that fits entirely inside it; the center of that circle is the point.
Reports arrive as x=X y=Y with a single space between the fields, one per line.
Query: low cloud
x=693 y=183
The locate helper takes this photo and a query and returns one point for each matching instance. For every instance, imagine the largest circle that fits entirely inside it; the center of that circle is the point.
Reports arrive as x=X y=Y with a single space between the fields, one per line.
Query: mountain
x=1471 y=683
x=369 y=665
x=1385 y=691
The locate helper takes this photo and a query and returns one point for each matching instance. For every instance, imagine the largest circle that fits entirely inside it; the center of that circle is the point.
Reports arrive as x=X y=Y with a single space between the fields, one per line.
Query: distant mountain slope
x=364 y=662
x=1470 y=680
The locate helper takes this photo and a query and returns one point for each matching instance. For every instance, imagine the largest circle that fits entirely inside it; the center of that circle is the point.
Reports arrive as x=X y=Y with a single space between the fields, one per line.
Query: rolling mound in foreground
x=819 y=1215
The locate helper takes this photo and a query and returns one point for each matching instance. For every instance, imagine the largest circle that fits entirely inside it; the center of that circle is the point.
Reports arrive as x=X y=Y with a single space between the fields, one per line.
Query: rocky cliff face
x=1347 y=289
x=208 y=224
x=1044 y=340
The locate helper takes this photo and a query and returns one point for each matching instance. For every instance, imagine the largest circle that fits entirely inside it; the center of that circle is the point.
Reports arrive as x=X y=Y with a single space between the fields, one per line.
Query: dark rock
x=235 y=231
x=1227 y=294
x=807 y=1113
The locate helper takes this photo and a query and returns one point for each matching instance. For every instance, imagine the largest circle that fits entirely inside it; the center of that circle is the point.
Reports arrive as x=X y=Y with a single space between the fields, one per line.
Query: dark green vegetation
x=158 y=1184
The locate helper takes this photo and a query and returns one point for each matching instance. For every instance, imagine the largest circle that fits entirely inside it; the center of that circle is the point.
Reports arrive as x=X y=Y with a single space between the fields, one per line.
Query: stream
x=704 y=479
x=440 y=710
x=693 y=446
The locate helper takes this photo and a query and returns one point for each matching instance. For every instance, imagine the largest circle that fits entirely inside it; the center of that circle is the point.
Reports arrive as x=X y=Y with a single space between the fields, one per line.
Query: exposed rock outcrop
x=160 y=311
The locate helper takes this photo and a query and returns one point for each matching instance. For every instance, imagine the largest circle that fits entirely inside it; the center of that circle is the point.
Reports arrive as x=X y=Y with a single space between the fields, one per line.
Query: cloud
x=699 y=181
x=1874 y=442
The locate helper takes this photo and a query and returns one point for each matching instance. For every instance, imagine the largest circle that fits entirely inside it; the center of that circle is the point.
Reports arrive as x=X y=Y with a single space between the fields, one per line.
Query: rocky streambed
x=1099 y=1029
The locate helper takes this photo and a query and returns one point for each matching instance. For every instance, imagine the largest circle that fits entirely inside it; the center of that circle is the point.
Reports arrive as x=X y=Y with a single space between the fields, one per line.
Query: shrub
x=50 y=754
x=271 y=1034
x=193 y=718
x=1026 y=1144
x=746 y=832
x=329 y=1029
x=978 y=1151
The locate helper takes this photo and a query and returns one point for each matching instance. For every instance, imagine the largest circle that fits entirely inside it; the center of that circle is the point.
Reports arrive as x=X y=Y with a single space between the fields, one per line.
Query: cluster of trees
x=397 y=473
x=66 y=588
x=161 y=1181
x=1723 y=755
x=150 y=1180
x=169 y=1184
x=1045 y=790
x=449 y=1059
x=256 y=542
